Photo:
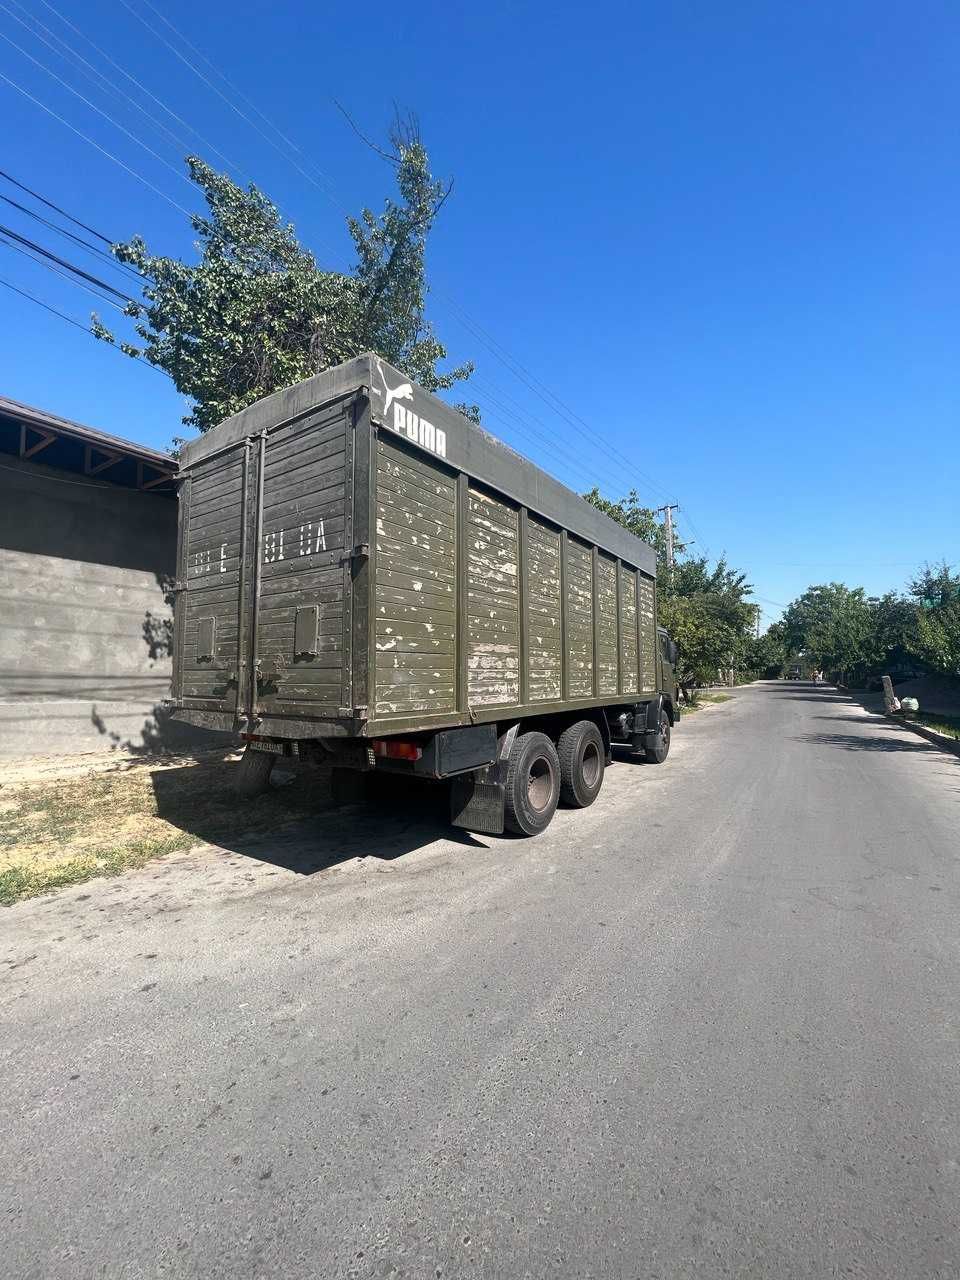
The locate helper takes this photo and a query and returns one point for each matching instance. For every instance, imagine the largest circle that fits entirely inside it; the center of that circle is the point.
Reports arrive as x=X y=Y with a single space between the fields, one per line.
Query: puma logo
x=406 y=423
x=403 y=392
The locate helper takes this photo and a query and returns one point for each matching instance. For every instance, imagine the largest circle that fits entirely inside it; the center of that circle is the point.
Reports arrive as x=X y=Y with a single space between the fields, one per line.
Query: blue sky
x=724 y=236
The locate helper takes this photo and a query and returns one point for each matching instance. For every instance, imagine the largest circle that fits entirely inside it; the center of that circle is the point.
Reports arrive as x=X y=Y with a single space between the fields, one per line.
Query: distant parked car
x=794 y=673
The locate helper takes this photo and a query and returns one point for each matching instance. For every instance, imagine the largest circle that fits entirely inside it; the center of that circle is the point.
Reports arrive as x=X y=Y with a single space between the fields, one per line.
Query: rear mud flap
x=476 y=805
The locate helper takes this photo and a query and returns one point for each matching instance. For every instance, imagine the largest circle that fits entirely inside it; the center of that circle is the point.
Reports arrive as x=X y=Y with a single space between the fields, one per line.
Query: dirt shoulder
x=62 y=822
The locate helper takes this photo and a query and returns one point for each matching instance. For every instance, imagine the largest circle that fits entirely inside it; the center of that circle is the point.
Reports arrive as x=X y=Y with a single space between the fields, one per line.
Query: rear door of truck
x=302 y=586
x=214 y=508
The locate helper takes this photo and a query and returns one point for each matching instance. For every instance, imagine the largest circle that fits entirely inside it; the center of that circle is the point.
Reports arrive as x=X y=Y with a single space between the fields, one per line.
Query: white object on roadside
x=909 y=704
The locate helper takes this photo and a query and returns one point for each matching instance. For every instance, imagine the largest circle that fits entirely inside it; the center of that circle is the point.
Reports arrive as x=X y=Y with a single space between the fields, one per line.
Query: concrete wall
x=83 y=566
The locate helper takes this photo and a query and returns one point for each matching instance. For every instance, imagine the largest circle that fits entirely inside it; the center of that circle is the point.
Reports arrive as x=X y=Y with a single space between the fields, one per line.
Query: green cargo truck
x=367 y=578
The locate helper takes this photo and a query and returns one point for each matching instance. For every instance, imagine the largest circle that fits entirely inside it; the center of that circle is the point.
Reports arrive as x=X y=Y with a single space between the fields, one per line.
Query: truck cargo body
x=358 y=560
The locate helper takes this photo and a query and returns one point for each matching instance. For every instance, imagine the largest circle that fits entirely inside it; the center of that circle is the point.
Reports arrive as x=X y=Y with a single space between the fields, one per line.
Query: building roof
x=45 y=438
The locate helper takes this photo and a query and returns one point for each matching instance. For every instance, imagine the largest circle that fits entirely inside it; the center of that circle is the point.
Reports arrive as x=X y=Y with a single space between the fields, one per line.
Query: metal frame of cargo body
x=398 y=443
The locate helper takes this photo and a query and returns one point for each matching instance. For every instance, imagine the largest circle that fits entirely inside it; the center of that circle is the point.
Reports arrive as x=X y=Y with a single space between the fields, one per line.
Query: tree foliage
x=257 y=313
x=854 y=637
x=937 y=635
x=767 y=654
x=831 y=624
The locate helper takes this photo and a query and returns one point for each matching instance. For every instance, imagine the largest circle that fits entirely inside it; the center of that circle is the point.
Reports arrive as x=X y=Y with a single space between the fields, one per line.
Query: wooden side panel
x=301 y=557
x=416 y=574
x=493 y=606
x=578 y=581
x=628 y=630
x=608 y=670
x=211 y=579
x=542 y=603
x=647 y=627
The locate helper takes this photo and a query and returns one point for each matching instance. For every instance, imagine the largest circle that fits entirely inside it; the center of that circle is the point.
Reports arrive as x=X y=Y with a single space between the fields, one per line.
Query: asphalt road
x=708 y=1027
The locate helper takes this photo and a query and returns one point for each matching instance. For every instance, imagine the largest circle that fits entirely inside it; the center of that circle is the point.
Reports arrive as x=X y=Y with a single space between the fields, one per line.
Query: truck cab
x=667 y=660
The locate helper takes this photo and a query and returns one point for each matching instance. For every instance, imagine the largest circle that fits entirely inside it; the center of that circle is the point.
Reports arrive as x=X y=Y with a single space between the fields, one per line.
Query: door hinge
x=360 y=552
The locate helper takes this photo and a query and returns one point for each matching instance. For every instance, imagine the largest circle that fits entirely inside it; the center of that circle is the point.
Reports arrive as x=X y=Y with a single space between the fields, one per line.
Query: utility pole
x=667 y=513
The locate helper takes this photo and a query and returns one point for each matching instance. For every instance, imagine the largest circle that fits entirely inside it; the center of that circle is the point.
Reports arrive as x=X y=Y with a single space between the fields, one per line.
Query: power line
x=110 y=156
x=95 y=76
x=216 y=70
x=576 y=460
x=579 y=477
x=93 y=106
x=232 y=105
x=142 y=87
x=696 y=532
x=46 y=306
x=77 y=325
x=514 y=366
x=63 y=213
x=331 y=188
x=32 y=244
x=83 y=244
x=64 y=275
x=541 y=390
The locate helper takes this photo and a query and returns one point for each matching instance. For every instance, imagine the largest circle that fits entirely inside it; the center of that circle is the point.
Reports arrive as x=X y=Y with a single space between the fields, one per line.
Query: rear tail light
x=391 y=749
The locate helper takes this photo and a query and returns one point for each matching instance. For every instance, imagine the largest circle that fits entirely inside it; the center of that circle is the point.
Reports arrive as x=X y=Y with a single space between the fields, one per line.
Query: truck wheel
x=253 y=772
x=659 y=748
x=532 y=789
x=581 y=755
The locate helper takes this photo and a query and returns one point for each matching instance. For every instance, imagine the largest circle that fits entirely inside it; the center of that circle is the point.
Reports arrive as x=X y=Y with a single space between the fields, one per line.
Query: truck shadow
x=294 y=825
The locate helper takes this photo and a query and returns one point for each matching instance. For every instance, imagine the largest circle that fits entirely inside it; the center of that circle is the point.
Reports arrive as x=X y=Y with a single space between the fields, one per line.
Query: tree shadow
x=813 y=693
x=871 y=743
x=295 y=826
x=162 y=735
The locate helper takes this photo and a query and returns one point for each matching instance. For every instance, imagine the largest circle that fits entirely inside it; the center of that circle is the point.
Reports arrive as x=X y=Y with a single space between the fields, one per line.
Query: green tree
x=711 y=632
x=893 y=642
x=832 y=625
x=256 y=313
x=937 y=636
x=767 y=654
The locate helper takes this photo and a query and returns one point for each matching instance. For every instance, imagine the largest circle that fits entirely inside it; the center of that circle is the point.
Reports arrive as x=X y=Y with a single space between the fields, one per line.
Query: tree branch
x=384 y=155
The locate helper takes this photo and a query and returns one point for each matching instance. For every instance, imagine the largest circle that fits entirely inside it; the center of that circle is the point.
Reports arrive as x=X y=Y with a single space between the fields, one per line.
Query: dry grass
x=58 y=830
x=703 y=700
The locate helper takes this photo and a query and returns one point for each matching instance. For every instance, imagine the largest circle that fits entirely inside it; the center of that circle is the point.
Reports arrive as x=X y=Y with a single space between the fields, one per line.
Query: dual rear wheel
x=540 y=775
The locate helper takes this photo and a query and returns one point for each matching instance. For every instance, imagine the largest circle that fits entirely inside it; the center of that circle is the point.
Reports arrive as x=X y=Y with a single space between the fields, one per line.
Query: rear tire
x=532 y=789
x=581 y=754
x=253 y=773
x=659 y=749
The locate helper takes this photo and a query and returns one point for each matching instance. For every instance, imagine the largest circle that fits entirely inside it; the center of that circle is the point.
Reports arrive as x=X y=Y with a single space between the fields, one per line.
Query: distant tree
x=767 y=654
x=894 y=639
x=257 y=313
x=832 y=625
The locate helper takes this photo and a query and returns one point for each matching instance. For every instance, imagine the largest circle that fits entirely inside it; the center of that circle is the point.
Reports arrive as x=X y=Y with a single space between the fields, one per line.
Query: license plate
x=275 y=748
